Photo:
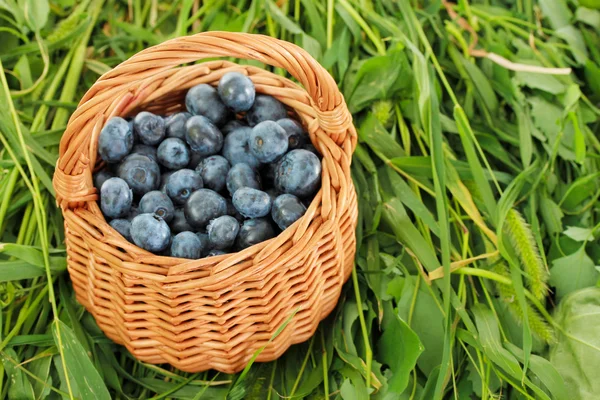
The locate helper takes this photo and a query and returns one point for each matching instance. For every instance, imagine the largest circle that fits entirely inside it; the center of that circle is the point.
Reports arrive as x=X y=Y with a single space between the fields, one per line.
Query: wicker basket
x=214 y=312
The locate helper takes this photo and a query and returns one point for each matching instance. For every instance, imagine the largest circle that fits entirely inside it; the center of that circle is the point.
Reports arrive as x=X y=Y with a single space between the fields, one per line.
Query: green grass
x=478 y=197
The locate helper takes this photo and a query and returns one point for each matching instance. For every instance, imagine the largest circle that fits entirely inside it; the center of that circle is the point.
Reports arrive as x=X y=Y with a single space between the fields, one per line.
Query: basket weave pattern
x=213 y=312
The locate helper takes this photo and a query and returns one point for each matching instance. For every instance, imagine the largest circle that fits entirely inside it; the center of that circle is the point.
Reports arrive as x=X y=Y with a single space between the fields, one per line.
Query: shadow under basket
x=211 y=313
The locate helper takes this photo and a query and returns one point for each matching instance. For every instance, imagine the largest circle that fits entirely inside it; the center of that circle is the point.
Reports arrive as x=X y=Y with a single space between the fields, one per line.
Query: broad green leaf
x=374 y=134
x=576 y=354
x=40 y=367
x=580 y=234
x=575 y=40
x=557 y=12
x=580 y=190
x=395 y=216
x=78 y=364
x=427 y=322
x=544 y=370
x=376 y=79
x=573 y=272
x=551 y=214
x=492 y=382
x=489 y=336
x=19 y=386
x=399 y=348
x=17 y=270
x=394 y=184
x=35 y=12
x=547 y=83
x=588 y=16
x=187 y=392
x=353 y=388
x=482 y=84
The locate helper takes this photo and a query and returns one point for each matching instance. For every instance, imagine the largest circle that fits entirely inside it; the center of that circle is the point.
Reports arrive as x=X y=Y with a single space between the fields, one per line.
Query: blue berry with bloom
x=204 y=100
x=157 y=202
x=252 y=203
x=237 y=91
x=186 y=245
x=203 y=137
x=181 y=184
x=236 y=148
x=115 y=198
x=222 y=232
x=265 y=108
x=298 y=173
x=173 y=153
x=150 y=128
x=175 y=125
x=203 y=206
x=268 y=141
x=286 y=210
x=241 y=175
x=150 y=232
x=140 y=172
x=115 y=140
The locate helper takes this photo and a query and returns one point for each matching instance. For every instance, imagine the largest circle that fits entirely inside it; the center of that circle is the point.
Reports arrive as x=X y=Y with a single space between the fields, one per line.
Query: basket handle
x=73 y=179
x=332 y=114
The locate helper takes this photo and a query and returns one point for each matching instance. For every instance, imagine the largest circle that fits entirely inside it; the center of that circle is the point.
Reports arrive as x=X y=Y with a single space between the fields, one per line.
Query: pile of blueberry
x=225 y=175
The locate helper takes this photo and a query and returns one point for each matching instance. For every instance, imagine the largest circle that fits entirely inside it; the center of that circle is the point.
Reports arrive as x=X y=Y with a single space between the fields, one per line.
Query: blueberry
x=145 y=150
x=214 y=171
x=215 y=252
x=100 y=177
x=150 y=128
x=295 y=133
x=115 y=198
x=115 y=140
x=195 y=160
x=173 y=153
x=236 y=91
x=204 y=100
x=181 y=184
x=286 y=210
x=175 y=125
x=231 y=126
x=204 y=243
x=254 y=231
x=150 y=232
x=236 y=148
x=140 y=172
x=123 y=226
x=179 y=223
x=298 y=173
x=203 y=206
x=186 y=245
x=251 y=203
x=156 y=202
x=268 y=141
x=222 y=232
x=203 y=137
x=241 y=175
x=265 y=108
